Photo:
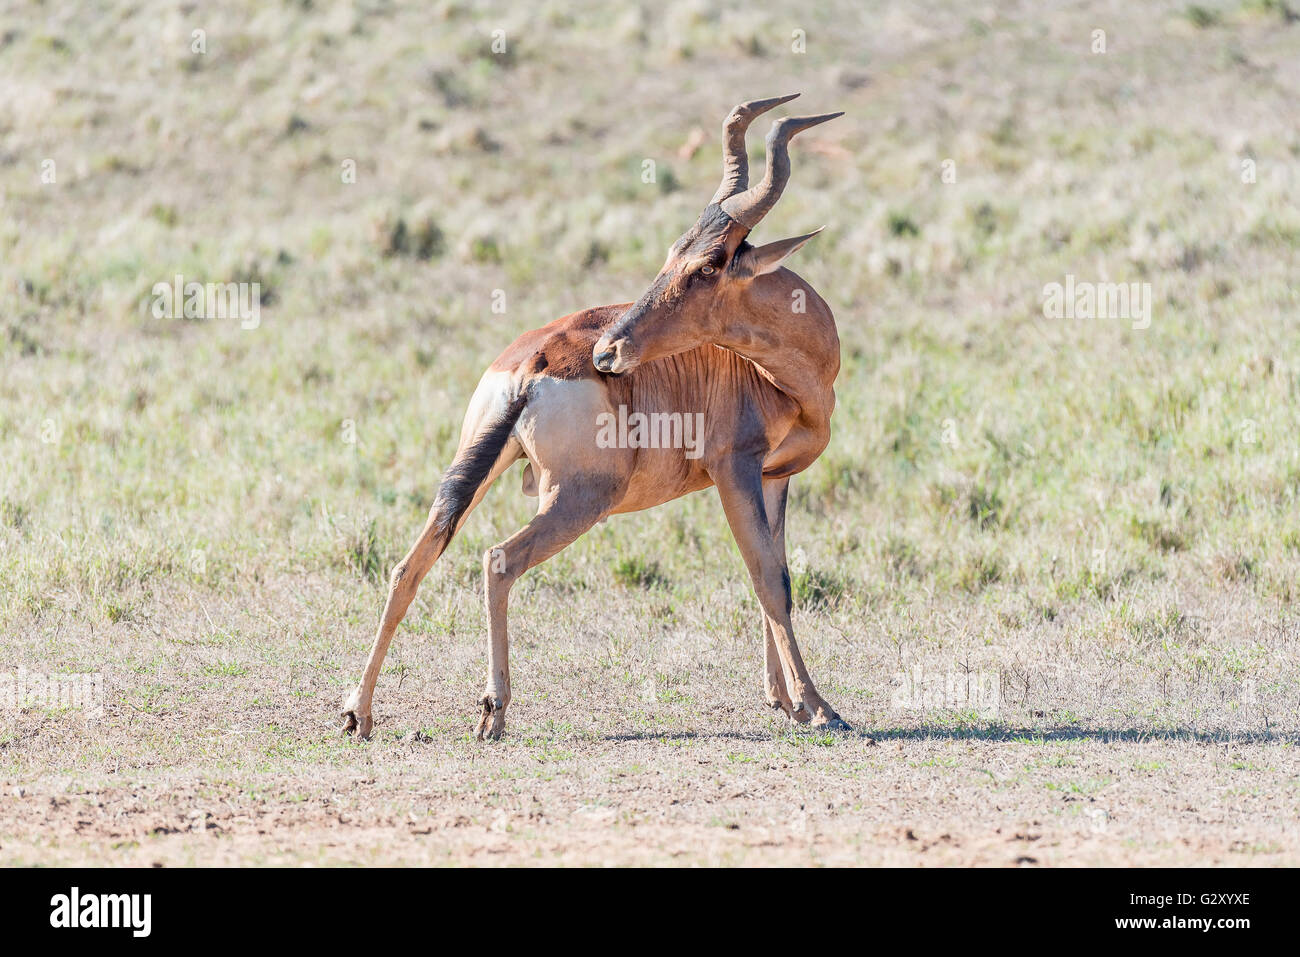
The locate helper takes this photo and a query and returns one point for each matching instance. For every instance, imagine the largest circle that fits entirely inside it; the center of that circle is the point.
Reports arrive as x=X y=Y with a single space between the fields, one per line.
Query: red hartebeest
x=724 y=332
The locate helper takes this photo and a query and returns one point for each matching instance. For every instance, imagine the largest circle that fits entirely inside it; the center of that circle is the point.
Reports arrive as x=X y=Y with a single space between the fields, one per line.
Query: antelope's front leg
x=741 y=492
x=778 y=698
x=775 y=492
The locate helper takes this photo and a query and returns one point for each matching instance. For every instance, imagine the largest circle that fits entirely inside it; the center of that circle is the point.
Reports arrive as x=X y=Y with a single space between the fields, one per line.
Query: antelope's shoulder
x=560 y=349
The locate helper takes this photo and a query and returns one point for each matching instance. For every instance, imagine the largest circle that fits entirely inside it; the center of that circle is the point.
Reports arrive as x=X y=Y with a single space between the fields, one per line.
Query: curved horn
x=735 y=164
x=752 y=205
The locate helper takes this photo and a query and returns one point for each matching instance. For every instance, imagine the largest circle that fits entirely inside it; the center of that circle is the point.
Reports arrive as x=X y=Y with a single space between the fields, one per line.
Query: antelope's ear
x=764 y=259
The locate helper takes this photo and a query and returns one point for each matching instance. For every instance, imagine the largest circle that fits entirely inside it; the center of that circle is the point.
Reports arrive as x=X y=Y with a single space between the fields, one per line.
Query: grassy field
x=1100 y=521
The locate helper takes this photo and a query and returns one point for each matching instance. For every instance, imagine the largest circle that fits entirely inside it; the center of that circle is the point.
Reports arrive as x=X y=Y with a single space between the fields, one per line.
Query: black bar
x=332 y=907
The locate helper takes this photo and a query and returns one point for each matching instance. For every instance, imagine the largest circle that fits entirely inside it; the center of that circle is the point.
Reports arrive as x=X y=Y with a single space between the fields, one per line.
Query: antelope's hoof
x=833 y=723
x=776 y=704
x=492 y=719
x=799 y=713
x=359 y=726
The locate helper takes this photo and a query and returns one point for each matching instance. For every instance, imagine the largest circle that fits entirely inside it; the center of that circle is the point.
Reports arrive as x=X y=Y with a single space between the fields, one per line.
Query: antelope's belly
x=661 y=476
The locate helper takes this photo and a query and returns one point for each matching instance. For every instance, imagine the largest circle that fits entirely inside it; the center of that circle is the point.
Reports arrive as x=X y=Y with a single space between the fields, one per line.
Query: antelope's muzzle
x=614 y=356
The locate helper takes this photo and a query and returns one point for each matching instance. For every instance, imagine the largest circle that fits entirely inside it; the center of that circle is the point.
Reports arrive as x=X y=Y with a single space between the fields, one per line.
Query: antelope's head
x=708 y=280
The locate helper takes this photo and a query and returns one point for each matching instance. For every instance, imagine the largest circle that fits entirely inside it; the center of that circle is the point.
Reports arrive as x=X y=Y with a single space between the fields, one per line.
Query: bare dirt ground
x=618 y=752
x=906 y=802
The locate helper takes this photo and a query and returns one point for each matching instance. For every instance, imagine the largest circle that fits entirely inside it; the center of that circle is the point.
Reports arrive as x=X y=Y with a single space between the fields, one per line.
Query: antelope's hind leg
x=487 y=449
x=405 y=580
x=567 y=509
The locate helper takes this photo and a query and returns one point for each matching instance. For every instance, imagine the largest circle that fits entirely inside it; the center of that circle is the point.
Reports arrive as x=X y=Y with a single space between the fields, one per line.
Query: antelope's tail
x=469 y=472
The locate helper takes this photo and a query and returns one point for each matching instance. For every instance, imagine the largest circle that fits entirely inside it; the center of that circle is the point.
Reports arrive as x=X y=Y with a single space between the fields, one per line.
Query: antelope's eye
x=707 y=270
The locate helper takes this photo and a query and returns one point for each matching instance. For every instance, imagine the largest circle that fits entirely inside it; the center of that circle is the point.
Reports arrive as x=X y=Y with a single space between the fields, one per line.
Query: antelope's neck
x=797 y=352
x=807 y=378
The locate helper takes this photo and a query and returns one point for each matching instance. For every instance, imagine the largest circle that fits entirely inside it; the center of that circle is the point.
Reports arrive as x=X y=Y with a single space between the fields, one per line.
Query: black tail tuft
x=471 y=468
